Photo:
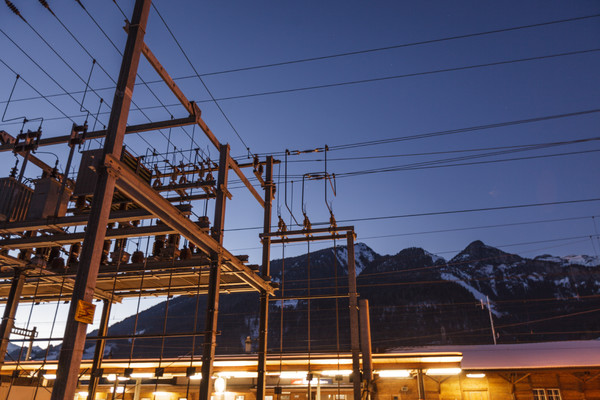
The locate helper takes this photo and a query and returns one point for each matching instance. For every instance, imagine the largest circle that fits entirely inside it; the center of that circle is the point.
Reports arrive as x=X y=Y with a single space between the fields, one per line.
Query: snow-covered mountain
x=416 y=298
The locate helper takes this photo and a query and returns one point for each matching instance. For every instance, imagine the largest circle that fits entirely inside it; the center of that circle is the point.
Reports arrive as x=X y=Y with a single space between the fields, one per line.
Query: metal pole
x=99 y=350
x=353 y=309
x=365 y=339
x=266 y=275
x=212 y=303
x=491 y=319
x=8 y=320
x=72 y=348
x=32 y=336
x=420 y=384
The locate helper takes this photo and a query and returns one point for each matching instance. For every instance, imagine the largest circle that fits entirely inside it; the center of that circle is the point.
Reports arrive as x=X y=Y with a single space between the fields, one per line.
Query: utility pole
x=490 y=314
x=69 y=361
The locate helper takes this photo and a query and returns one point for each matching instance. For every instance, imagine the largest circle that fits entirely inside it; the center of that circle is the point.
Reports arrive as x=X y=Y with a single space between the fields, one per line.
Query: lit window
x=546 y=394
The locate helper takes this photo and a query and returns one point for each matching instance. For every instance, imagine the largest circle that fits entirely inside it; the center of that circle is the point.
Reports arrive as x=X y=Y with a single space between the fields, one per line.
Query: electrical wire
x=410 y=75
x=402 y=45
x=202 y=80
x=37 y=91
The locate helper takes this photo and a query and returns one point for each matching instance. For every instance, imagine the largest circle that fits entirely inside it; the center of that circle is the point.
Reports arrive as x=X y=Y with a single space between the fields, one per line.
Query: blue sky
x=218 y=37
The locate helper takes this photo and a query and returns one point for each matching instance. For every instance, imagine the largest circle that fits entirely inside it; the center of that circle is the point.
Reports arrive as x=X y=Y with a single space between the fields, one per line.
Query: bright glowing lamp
x=220 y=385
x=476 y=375
x=443 y=371
x=394 y=373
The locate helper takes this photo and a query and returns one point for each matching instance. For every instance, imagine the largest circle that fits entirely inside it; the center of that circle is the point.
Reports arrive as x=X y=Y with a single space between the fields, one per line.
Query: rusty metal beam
x=269 y=187
x=151 y=126
x=58 y=223
x=307 y=231
x=75 y=332
x=308 y=239
x=353 y=310
x=30 y=157
x=8 y=320
x=70 y=238
x=32 y=271
x=143 y=195
x=214 y=280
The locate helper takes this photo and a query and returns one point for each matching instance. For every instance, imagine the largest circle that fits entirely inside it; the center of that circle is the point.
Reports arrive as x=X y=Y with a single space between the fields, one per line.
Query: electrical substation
x=64 y=237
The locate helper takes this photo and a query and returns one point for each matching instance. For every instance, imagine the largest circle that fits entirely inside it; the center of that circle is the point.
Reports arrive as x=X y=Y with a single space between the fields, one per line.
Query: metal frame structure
x=216 y=270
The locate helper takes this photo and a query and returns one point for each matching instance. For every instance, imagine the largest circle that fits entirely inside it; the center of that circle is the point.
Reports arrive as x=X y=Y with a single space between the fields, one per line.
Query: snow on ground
x=476 y=293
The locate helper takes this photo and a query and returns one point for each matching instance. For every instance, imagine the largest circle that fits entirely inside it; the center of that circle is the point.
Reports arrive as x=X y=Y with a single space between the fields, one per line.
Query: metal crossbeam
x=151 y=126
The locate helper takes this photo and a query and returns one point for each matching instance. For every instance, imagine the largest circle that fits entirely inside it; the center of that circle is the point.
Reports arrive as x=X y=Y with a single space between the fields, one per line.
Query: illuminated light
x=478 y=375
x=440 y=359
x=335 y=372
x=120 y=389
x=238 y=374
x=83 y=394
x=235 y=363
x=162 y=394
x=196 y=376
x=443 y=371
x=49 y=376
x=220 y=385
x=394 y=373
x=138 y=375
x=334 y=361
x=314 y=381
x=111 y=377
x=293 y=374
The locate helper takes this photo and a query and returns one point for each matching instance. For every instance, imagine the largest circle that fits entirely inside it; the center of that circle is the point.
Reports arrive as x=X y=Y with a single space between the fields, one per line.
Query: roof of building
x=569 y=354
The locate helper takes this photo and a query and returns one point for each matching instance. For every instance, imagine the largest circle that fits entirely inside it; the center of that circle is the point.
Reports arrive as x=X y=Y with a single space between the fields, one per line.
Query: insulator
x=174 y=239
x=307 y=224
x=159 y=243
x=13 y=170
x=281 y=226
x=57 y=263
x=105 y=252
x=14 y=9
x=46 y=5
x=332 y=221
x=74 y=253
x=54 y=253
x=185 y=254
x=137 y=257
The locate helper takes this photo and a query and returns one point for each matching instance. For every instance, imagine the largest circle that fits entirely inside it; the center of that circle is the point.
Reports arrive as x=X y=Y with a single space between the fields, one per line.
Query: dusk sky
x=418 y=68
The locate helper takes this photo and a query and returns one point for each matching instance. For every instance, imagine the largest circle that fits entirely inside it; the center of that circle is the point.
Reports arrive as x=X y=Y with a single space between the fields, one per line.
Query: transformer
x=15 y=198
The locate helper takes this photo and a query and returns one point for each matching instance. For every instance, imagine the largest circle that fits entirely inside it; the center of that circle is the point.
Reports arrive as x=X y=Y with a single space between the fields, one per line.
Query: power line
x=403 y=45
x=483 y=209
x=410 y=75
x=430 y=165
x=448 y=230
x=522 y=146
x=37 y=91
x=201 y=80
x=213 y=99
